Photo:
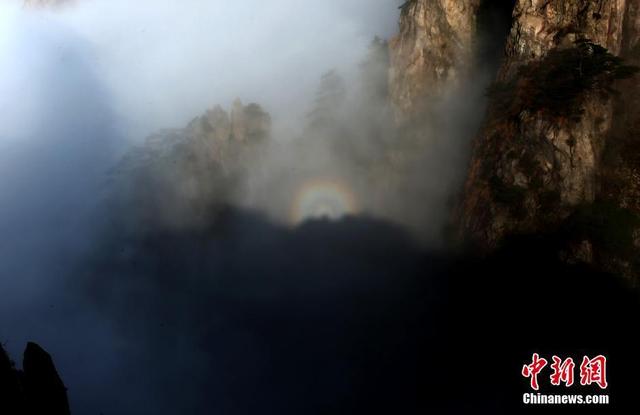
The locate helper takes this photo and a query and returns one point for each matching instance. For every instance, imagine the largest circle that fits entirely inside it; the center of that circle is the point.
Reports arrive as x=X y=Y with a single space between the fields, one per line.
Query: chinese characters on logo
x=562 y=371
x=592 y=371
x=532 y=370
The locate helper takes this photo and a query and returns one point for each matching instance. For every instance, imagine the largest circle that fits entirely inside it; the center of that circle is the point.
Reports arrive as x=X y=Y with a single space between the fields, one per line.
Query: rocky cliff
x=34 y=390
x=180 y=177
x=558 y=152
x=543 y=160
x=431 y=53
x=222 y=136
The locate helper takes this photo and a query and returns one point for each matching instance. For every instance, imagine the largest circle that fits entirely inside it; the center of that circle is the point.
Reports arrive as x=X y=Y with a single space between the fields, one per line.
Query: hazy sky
x=163 y=62
x=77 y=85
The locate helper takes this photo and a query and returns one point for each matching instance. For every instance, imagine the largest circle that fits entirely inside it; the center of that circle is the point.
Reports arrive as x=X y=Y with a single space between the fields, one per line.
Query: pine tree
x=329 y=102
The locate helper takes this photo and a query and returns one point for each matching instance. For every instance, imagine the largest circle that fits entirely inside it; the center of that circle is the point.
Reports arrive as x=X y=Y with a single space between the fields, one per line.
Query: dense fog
x=306 y=275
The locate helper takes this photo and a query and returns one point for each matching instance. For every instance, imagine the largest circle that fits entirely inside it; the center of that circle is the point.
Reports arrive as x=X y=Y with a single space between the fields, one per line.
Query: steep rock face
x=11 y=394
x=621 y=176
x=226 y=137
x=188 y=173
x=540 y=26
x=44 y=388
x=37 y=389
x=539 y=157
x=244 y=124
x=431 y=52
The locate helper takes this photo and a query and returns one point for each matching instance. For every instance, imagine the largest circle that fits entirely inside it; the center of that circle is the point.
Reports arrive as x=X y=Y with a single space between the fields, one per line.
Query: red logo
x=594 y=371
x=562 y=371
x=532 y=370
x=591 y=371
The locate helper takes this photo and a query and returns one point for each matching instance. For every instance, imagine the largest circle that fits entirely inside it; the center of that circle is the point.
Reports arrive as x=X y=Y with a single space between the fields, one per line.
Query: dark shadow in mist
x=52 y=174
x=343 y=317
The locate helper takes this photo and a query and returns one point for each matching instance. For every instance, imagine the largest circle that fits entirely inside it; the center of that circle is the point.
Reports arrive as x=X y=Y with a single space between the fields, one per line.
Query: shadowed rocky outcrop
x=35 y=390
x=540 y=163
x=558 y=152
x=191 y=171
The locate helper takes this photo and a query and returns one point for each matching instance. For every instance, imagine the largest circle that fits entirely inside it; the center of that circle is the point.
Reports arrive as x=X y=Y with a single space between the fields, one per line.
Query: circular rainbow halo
x=322 y=199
